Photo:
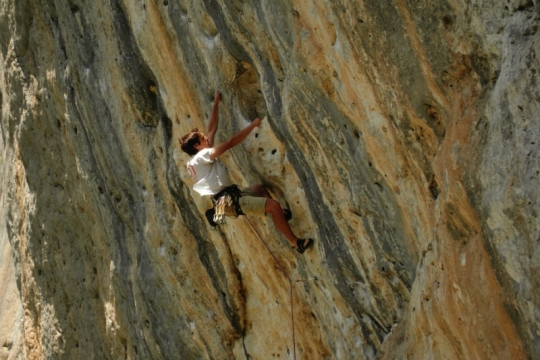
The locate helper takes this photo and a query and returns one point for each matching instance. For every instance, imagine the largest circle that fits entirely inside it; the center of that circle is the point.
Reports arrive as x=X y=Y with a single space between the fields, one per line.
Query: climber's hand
x=257 y=122
x=217 y=98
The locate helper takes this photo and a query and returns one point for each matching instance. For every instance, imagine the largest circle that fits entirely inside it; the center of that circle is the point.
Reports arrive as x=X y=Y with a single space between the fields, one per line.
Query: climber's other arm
x=235 y=139
x=213 y=122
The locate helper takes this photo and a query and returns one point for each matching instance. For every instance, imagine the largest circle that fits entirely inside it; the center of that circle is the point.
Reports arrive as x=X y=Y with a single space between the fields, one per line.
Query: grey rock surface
x=403 y=135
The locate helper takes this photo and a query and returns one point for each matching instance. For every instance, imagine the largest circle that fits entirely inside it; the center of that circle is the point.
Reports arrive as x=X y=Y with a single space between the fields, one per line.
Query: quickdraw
x=226 y=204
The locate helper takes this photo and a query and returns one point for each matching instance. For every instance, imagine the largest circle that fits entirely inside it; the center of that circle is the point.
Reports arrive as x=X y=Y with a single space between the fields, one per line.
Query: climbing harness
x=226 y=203
x=288 y=278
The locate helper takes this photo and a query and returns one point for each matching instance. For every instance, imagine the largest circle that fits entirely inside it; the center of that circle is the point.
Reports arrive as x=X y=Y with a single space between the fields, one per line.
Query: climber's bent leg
x=260 y=190
x=274 y=208
x=252 y=205
x=261 y=205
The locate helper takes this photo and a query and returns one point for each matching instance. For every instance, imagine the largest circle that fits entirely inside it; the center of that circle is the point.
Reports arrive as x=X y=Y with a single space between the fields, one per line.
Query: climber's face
x=203 y=142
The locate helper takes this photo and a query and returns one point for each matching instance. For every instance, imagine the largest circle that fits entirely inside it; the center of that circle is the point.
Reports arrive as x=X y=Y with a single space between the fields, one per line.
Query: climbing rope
x=288 y=278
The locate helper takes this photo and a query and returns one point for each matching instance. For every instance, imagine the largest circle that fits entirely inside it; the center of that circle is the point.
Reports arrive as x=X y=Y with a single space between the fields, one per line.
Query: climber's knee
x=273 y=207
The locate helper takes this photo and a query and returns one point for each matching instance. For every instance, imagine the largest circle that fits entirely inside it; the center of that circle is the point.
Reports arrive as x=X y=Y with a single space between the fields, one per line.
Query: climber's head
x=193 y=142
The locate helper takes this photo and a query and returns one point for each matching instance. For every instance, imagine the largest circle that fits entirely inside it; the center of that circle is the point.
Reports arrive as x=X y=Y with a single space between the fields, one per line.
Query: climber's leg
x=250 y=204
x=274 y=209
x=260 y=190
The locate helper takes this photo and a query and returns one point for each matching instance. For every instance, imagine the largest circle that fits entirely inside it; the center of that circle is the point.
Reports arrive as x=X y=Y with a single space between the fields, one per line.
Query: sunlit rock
x=403 y=136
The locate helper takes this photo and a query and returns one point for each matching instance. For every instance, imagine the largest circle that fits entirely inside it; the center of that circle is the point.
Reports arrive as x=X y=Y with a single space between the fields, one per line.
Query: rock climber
x=212 y=179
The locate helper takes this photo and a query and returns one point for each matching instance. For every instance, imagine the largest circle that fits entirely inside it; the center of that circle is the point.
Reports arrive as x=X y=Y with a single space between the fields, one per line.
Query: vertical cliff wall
x=403 y=135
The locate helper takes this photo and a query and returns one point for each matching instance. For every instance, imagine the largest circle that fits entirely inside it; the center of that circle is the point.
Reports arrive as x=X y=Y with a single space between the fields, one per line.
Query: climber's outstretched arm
x=234 y=140
x=213 y=122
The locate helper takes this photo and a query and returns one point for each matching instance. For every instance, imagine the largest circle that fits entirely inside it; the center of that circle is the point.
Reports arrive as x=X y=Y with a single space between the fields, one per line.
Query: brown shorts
x=252 y=205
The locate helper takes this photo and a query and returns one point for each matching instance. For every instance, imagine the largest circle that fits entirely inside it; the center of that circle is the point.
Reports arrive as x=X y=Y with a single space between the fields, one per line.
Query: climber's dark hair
x=188 y=142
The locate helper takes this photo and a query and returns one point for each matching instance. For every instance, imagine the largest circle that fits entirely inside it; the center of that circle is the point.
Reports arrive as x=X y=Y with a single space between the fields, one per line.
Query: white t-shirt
x=210 y=176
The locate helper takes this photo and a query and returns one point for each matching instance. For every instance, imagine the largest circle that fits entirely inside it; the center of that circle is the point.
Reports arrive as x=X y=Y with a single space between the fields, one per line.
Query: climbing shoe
x=288 y=214
x=210 y=218
x=303 y=245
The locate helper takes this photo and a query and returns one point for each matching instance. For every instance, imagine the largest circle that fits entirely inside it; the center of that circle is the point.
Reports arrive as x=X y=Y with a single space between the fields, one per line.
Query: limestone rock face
x=404 y=136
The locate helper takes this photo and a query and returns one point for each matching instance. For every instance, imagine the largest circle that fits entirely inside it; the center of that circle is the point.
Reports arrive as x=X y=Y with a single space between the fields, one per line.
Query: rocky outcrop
x=403 y=135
